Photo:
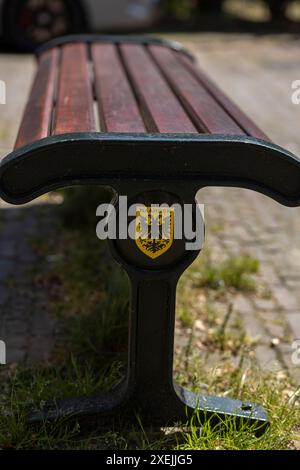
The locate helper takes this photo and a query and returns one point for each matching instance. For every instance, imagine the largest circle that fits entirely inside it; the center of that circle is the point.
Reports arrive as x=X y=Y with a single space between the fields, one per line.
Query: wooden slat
x=235 y=112
x=117 y=105
x=37 y=117
x=162 y=111
x=208 y=114
x=74 y=108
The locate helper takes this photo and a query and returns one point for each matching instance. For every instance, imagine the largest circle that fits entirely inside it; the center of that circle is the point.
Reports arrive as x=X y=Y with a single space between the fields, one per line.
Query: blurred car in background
x=27 y=23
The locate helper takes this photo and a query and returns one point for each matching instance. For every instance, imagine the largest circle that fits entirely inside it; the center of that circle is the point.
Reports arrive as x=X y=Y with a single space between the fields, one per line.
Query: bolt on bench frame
x=135 y=114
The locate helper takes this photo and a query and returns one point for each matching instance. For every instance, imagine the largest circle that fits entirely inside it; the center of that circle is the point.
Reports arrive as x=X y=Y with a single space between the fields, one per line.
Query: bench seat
x=118 y=87
x=104 y=108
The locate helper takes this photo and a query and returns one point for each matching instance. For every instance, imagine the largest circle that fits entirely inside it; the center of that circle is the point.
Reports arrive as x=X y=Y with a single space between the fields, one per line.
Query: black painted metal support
x=149 y=389
x=155 y=395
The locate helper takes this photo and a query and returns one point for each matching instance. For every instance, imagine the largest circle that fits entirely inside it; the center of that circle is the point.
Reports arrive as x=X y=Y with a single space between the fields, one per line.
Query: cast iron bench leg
x=149 y=389
x=155 y=395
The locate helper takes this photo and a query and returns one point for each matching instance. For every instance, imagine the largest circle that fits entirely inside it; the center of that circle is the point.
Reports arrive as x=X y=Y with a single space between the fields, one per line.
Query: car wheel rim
x=42 y=20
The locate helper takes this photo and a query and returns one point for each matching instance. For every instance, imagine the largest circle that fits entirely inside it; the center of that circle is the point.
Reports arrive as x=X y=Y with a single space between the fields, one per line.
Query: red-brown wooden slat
x=74 y=108
x=162 y=111
x=235 y=112
x=118 y=109
x=206 y=111
x=37 y=117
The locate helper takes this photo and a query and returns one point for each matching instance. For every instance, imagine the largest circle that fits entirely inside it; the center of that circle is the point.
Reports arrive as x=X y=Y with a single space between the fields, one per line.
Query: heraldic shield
x=154 y=230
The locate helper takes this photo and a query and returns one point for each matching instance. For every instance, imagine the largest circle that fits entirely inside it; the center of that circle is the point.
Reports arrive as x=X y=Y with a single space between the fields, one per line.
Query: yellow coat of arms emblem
x=154 y=230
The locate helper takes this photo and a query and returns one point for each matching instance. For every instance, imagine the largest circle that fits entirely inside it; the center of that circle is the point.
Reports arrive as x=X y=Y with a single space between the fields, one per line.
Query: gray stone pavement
x=254 y=225
x=257 y=72
x=25 y=325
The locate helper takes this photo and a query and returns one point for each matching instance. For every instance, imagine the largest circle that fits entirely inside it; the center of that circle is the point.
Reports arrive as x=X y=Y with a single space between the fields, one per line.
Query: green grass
x=24 y=388
x=33 y=387
x=235 y=272
x=207 y=283
x=88 y=294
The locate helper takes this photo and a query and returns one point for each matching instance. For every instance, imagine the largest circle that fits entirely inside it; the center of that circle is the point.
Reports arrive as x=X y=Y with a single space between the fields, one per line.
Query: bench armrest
x=108 y=159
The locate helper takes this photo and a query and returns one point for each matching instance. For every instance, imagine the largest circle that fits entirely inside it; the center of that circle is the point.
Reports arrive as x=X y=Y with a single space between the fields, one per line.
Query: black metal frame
x=113 y=39
x=170 y=161
x=150 y=168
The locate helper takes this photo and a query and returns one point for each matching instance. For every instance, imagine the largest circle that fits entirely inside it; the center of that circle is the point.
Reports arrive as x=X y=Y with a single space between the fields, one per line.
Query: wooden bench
x=136 y=114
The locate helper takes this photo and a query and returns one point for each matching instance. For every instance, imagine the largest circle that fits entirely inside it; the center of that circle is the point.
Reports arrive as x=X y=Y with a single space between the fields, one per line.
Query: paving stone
x=276 y=331
x=27 y=257
x=292 y=285
x=293 y=320
x=3 y=292
x=242 y=233
x=38 y=349
x=269 y=274
x=267 y=358
x=15 y=340
x=285 y=298
x=25 y=325
x=15 y=356
x=8 y=247
x=6 y=268
x=42 y=323
x=286 y=352
x=252 y=325
x=264 y=304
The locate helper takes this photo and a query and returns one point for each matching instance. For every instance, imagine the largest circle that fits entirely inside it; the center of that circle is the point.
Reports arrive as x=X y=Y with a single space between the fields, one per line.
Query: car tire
x=210 y=6
x=29 y=23
x=278 y=9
